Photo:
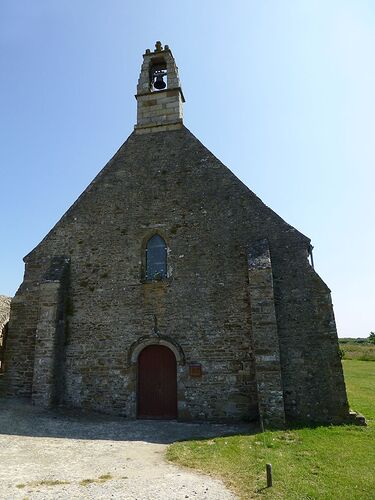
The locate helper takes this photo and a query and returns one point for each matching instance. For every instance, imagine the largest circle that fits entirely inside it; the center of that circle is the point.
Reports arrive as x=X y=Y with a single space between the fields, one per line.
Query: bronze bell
x=159 y=82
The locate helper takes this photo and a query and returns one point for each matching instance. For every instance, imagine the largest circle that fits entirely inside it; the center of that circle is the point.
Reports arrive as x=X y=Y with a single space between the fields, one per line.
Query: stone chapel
x=169 y=290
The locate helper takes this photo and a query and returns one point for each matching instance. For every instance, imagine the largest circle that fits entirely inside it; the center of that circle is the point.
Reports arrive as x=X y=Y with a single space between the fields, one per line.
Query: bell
x=159 y=83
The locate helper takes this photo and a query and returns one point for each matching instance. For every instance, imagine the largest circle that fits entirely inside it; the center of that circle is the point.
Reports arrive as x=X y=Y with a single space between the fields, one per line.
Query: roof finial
x=158 y=46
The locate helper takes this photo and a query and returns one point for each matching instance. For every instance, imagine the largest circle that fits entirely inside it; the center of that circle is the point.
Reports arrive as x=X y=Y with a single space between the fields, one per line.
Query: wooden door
x=157 y=383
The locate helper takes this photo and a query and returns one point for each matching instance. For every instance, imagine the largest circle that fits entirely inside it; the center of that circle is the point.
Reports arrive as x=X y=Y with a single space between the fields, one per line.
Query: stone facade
x=240 y=300
x=4 y=318
x=4 y=310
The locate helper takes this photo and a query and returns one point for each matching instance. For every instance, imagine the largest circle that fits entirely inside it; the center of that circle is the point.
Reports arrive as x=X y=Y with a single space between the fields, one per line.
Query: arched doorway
x=157 y=383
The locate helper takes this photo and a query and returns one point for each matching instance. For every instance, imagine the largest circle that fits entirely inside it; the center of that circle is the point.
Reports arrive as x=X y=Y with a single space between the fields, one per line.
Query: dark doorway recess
x=157 y=383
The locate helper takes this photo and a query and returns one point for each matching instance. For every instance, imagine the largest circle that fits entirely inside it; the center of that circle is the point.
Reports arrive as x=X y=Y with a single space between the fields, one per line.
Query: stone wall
x=49 y=372
x=4 y=310
x=169 y=183
x=313 y=381
x=159 y=109
x=19 y=353
x=4 y=318
x=265 y=335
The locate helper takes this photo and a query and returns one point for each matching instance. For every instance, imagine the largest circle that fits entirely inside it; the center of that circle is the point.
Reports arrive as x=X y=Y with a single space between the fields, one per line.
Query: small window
x=156 y=258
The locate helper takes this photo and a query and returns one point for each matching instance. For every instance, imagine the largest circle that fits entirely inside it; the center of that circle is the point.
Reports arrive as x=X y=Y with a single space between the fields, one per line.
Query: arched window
x=156 y=258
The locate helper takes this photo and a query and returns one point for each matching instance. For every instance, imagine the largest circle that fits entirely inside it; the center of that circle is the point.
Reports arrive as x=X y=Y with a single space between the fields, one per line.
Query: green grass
x=360 y=385
x=352 y=349
x=333 y=462
x=100 y=479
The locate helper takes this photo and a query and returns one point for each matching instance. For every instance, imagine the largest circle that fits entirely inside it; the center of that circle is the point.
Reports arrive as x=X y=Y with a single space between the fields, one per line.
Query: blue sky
x=283 y=92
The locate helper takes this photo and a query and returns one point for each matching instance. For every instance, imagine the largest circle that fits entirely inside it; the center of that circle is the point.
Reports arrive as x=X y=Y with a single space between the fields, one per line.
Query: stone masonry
x=265 y=338
x=247 y=318
x=4 y=318
x=48 y=375
x=162 y=110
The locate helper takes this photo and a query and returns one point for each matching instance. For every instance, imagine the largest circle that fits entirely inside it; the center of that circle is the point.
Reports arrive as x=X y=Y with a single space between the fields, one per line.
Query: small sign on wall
x=195 y=370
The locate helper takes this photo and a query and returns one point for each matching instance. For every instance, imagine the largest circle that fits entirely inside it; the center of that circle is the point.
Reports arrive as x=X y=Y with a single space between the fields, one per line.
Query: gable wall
x=170 y=183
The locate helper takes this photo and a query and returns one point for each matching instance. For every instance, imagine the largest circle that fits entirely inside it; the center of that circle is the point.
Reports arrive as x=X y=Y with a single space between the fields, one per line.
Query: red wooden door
x=157 y=383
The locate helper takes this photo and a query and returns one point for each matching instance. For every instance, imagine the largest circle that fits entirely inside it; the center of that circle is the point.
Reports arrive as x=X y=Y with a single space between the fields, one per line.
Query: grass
x=56 y=482
x=308 y=463
x=44 y=482
x=352 y=349
x=100 y=479
x=360 y=385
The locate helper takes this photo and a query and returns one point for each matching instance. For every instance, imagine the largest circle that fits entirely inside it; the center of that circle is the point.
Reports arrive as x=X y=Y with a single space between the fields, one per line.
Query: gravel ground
x=66 y=454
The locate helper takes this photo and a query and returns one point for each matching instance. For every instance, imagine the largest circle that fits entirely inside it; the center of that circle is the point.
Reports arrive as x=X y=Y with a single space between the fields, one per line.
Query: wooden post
x=261 y=423
x=269 y=475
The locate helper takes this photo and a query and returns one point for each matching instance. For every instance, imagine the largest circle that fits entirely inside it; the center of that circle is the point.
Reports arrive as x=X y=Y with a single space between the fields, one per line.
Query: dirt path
x=67 y=455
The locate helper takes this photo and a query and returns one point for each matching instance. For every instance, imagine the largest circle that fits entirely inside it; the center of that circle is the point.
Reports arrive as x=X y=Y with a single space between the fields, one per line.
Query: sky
x=282 y=92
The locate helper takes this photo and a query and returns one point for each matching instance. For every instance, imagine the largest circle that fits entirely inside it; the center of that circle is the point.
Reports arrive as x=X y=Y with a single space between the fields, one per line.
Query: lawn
x=352 y=349
x=322 y=462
